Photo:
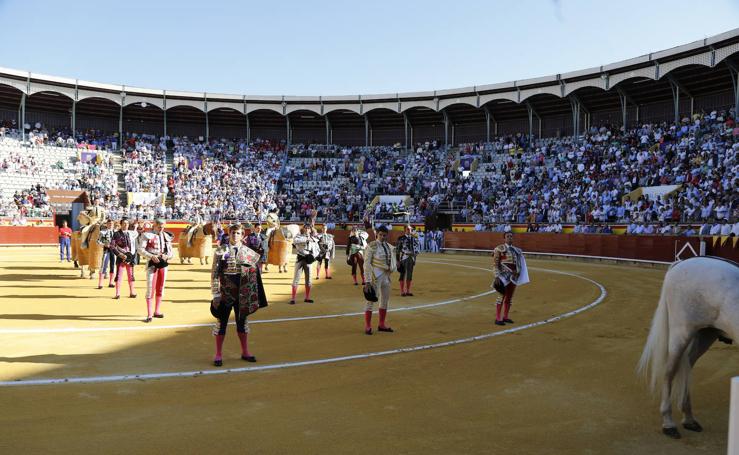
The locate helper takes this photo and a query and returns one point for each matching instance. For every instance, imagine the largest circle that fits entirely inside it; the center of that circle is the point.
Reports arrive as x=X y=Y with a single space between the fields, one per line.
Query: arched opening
x=386 y=127
x=347 y=128
x=268 y=125
x=143 y=118
x=227 y=123
x=10 y=101
x=710 y=88
x=186 y=121
x=427 y=125
x=654 y=98
x=307 y=127
x=50 y=111
x=467 y=124
x=604 y=108
x=98 y=114
x=551 y=116
x=508 y=117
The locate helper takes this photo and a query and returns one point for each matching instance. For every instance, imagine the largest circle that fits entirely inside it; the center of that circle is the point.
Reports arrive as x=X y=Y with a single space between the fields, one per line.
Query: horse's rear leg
x=678 y=343
x=703 y=341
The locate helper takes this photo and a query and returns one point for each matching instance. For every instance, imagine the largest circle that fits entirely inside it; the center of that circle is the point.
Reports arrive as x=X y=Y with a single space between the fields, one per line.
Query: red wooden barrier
x=28 y=235
x=650 y=248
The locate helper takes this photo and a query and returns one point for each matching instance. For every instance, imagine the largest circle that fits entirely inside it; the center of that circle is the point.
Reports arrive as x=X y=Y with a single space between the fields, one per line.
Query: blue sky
x=340 y=47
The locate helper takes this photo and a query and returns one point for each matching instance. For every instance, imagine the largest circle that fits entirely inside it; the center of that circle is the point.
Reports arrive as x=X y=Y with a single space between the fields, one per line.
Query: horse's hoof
x=671 y=432
x=693 y=426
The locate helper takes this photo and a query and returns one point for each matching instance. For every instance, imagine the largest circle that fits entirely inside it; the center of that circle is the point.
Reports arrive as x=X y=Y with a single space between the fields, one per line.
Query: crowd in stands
x=350 y=178
x=544 y=183
x=33 y=202
x=20 y=163
x=225 y=179
x=145 y=164
x=585 y=181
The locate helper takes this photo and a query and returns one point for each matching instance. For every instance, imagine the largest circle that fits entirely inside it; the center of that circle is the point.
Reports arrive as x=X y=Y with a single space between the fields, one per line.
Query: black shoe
x=329 y=278
x=249 y=358
x=356 y=284
x=402 y=294
x=385 y=329
x=100 y=287
x=508 y=321
x=408 y=294
x=499 y=323
x=117 y=297
x=218 y=363
x=363 y=283
x=693 y=426
x=160 y=315
x=308 y=300
x=111 y=285
x=147 y=320
x=291 y=302
x=368 y=331
x=133 y=296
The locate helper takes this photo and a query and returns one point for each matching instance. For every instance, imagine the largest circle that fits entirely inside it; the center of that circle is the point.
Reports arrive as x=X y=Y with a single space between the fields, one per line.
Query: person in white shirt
x=716 y=229
x=725 y=228
x=422 y=240
x=156 y=247
x=308 y=250
x=379 y=265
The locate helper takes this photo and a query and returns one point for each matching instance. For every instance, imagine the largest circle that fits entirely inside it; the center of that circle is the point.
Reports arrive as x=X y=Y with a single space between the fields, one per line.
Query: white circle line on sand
x=262 y=321
x=281 y=366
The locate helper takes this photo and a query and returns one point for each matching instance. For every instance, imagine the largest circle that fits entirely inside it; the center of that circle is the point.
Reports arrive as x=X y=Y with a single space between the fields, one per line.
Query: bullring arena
x=559 y=380
x=605 y=176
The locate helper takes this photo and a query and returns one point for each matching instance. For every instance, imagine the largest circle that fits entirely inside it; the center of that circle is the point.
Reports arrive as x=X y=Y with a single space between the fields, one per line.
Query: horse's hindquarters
x=278 y=252
x=201 y=247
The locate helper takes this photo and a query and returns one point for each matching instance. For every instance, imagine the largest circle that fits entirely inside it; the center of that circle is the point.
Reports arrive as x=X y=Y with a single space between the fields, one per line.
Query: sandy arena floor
x=447 y=381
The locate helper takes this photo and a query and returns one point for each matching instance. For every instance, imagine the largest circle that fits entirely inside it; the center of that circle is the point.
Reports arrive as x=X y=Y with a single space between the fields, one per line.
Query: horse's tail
x=654 y=357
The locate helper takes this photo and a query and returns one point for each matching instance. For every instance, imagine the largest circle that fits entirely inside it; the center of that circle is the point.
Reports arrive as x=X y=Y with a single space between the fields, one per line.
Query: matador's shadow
x=52 y=358
x=21 y=277
x=70 y=317
x=47 y=296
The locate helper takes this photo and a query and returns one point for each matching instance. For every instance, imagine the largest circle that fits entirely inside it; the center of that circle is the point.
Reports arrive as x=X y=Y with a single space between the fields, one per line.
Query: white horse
x=699 y=304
